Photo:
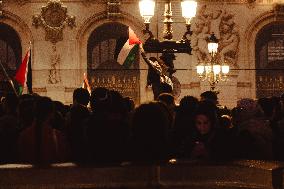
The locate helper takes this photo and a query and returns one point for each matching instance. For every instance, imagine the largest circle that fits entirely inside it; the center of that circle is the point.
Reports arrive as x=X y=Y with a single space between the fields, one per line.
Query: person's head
x=189 y=103
x=117 y=102
x=100 y=99
x=205 y=117
x=267 y=106
x=226 y=122
x=81 y=96
x=202 y=124
x=209 y=96
x=168 y=99
x=10 y=103
x=43 y=108
x=129 y=104
x=246 y=109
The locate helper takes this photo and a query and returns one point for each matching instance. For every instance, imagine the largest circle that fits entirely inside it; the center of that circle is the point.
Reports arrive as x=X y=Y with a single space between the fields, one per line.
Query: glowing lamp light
x=147 y=9
x=225 y=69
x=188 y=10
x=216 y=69
x=200 y=69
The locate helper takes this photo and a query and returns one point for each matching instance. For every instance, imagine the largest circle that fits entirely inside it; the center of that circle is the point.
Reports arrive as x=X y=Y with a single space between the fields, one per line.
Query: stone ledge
x=190 y=175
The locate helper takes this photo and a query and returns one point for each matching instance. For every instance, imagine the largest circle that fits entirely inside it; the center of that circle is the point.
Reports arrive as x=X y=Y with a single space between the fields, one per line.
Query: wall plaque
x=275 y=50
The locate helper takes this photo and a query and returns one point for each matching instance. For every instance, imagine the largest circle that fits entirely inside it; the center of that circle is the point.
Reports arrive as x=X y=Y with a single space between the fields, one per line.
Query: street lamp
x=167 y=46
x=213 y=71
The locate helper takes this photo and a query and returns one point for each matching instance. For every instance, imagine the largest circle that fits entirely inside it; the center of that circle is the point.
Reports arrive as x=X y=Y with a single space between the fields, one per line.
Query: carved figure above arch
x=222 y=24
x=53 y=18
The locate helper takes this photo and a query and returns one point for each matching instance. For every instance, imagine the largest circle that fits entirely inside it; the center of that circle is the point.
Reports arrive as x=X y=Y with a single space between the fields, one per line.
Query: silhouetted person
x=75 y=124
x=9 y=128
x=184 y=123
x=106 y=129
x=158 y=76
x=210 y=96
x=254 y=140
x=41 y=144
x=81 y=96
x=150 y=133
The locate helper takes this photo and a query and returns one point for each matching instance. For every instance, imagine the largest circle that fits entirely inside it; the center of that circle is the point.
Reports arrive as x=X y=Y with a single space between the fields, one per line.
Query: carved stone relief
x=21 y=2
x=54 y=75
x=53 y=18
x=251 y=3
x=221 y=23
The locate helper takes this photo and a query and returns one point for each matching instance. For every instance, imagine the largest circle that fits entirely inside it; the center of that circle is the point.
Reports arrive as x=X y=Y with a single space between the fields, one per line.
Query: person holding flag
x=23 y=75
x=159 y=75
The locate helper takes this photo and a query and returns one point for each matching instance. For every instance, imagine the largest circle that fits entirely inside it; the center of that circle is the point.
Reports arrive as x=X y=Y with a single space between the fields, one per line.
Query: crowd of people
x=106 y=128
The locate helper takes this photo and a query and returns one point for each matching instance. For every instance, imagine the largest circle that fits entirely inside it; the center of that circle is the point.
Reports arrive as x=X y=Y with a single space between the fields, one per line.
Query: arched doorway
x=10 y=55
x=103 y=69
x=269 y=51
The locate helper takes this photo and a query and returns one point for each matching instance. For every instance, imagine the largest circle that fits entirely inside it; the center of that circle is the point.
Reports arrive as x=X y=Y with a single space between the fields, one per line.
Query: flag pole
x=9 y=79
x=30 y=88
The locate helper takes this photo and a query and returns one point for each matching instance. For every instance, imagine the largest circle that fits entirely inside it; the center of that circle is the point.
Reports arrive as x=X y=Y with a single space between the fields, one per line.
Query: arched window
x=270 y=60
x=103 y=69
x=10 y=55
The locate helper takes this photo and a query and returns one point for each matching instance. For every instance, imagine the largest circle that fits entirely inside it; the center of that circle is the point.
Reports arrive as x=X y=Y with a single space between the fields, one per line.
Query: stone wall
x=60 y=57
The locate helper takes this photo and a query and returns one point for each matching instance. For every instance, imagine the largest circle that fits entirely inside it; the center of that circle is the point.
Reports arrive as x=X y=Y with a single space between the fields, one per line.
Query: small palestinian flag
x=23 y=75
x=129 y=50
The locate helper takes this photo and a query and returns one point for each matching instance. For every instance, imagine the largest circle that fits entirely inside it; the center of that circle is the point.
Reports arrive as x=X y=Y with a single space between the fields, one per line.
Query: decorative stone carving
x=54 y=75
x=53 y=18
x=21 y=2
x=251 y=3
x=222 y=24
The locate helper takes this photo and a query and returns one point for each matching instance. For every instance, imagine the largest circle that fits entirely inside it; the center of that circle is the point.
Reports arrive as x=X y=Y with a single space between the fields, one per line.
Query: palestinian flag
x=23 y=75
x=127 y=53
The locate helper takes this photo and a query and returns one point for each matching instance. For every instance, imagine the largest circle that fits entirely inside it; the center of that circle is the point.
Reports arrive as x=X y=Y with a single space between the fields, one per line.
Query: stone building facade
x=73 y=37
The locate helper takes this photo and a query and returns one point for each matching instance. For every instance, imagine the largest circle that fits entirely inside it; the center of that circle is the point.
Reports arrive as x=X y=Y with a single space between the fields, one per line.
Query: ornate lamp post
x=167 y=46
x=213 y=71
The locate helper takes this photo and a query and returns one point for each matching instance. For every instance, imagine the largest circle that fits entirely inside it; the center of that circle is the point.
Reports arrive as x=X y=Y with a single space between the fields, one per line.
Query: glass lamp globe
x=225 y=69
x=147 y=9
x=200 y=69
x=188 y=9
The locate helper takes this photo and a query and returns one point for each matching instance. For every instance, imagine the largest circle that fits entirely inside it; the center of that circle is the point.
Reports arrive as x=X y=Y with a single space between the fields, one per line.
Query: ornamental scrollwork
x=53 y=18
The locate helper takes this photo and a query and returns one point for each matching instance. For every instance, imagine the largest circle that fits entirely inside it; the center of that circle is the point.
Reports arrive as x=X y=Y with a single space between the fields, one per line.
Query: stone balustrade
x=176 y=175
